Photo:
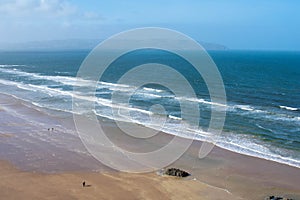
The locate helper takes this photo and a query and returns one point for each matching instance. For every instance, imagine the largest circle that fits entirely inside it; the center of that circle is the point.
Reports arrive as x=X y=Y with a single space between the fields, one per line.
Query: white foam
x=114 y=84
x=26 y=88
x=153 y=90
x=174 y=117
x=249 y=146
x=202 y=101
x=66 y=80
x=11 y=83
x=230 y=108
x=12 y=65
x=72 y=81
x=147 y=95
x=261 y=127
x=288 y=108
x=244 y=107
x=122 y=107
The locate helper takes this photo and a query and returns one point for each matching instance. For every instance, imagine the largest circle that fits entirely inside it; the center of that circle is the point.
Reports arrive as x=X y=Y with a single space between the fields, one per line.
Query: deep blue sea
x=262 y=89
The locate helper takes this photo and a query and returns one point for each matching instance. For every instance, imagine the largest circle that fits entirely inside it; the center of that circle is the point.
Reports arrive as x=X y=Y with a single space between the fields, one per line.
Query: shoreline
x=237 y=175
x=260 y=155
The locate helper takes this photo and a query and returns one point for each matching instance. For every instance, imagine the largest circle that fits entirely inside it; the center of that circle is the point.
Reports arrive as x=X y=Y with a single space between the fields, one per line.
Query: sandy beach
x=27 y=185
x=46 y=168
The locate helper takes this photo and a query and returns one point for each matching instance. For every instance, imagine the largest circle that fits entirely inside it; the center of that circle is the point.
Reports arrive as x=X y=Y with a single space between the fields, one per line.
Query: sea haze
x=262 y=88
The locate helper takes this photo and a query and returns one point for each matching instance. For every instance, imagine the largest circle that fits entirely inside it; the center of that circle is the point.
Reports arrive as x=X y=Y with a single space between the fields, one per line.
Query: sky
x=237 y=24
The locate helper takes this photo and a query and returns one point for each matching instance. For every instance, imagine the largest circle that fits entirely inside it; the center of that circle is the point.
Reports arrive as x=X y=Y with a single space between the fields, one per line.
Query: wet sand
x=39 y=164
x=241 y=176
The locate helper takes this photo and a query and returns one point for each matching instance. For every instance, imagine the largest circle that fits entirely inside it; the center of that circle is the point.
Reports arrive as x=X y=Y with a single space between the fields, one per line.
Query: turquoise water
x=262 y=88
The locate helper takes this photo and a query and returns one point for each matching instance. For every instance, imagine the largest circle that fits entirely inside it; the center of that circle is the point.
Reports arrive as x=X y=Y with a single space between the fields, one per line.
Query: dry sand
x=16 y=184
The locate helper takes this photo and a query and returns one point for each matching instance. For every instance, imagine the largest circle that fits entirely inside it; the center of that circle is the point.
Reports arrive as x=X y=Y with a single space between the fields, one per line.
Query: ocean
x=262 y=89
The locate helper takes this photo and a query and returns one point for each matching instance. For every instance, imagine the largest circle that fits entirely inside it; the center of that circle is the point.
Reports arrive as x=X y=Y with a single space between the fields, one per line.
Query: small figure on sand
x=83 y=184
x=50 y=129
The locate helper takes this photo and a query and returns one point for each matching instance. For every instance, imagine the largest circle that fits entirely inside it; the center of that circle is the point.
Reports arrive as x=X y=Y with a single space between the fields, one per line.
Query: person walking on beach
x=83 y=184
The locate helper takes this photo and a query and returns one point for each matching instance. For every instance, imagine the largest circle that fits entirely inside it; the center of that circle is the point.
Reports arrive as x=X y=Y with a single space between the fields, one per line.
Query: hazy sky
x=256 y=24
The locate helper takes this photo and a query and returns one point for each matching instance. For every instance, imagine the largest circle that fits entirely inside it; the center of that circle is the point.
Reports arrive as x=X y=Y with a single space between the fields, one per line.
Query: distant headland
x=75 y=44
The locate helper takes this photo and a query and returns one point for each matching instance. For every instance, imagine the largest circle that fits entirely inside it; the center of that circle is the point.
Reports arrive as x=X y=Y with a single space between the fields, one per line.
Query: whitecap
x=288 y=108
x=174 y=117
x=244 y=107
x=153 y=90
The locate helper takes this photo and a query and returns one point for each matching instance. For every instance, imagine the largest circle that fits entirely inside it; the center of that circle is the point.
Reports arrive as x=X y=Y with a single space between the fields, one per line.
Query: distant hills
x=213 y=46
x=74 y=44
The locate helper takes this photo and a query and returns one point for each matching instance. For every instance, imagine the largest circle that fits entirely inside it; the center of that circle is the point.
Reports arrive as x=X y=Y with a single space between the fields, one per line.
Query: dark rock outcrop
x=176 y=172
x=277 y=198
